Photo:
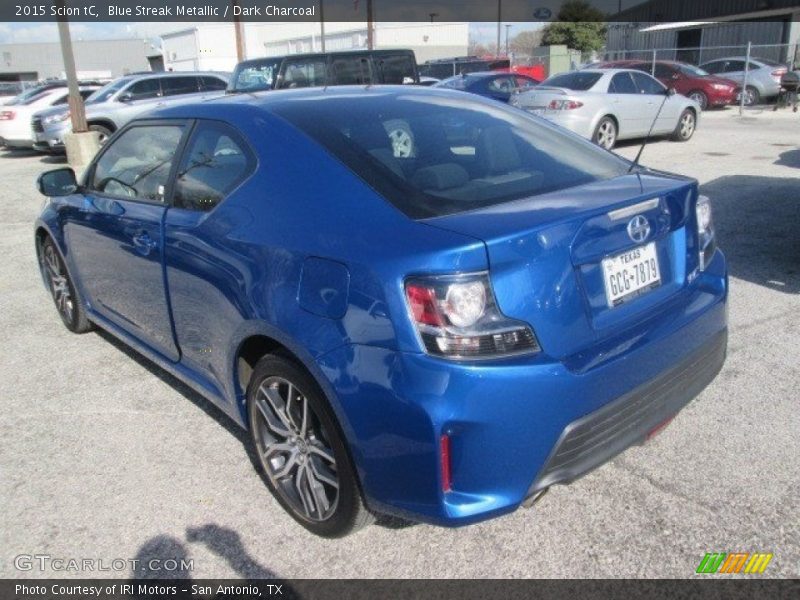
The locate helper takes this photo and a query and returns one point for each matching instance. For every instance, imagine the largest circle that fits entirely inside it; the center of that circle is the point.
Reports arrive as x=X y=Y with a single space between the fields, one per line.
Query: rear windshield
x=459 y=82
x=441 y=153
x=577 y=80
x=254 y=77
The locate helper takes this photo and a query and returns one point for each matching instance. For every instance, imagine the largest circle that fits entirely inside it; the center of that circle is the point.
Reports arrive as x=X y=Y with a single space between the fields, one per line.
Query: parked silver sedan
x=763 y=75
x=606 y=105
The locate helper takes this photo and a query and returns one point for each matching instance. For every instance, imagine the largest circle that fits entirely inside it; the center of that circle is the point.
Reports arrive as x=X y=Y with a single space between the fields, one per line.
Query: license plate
x=631 y=274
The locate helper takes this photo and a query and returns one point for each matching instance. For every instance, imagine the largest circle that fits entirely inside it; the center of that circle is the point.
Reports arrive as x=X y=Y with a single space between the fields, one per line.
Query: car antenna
x=635 y=163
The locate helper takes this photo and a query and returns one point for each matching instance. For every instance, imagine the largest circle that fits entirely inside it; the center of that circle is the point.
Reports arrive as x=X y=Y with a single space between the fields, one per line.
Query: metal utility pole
x=370 y=34
x=321 y=26
x=499 y=19
x=76 y=110
x=744 y=81
x=238 y=28
x=508 y=26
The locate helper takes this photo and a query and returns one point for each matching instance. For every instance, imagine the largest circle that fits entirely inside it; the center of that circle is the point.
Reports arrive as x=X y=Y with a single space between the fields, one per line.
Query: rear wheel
x=103 y=132
x=751 y=96
x=700 y=98
x=68 y=302
x=605 y=134
x=684 y=130
x=301 y=450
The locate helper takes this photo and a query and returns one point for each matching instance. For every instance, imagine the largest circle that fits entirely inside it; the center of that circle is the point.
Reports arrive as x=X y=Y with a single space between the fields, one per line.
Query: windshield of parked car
x=458 y=82
x=254 y=77
x=693 y=71
x=104 y=93
x=26 y=96
x=577 y=80
x=444 y=153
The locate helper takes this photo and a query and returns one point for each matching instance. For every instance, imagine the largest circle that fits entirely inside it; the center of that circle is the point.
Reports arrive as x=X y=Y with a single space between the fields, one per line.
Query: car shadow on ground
x=756 y=221
x=790 y=158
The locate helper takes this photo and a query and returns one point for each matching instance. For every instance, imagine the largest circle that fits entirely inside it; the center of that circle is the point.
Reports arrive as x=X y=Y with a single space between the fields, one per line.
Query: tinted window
x=456 y=83
x=621 y=83
x=715 y=67
x=350 y=71
x=577 y=80
x=734 y=66
x=137 y=164
x=500 y=84
x=215 y=162
x=257 y=76
x=104 y=93
x=524 y=82
x=65 y=99
x=212 y=84
x=179 y=86
x=662 y=71
x=432 y=155
x=303 y=73
x=396 y=69
x=147 y=88
x=646 y=84
x=693 y=71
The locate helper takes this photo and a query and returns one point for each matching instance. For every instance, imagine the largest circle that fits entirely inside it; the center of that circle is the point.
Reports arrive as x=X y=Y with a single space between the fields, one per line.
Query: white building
x=212 y=46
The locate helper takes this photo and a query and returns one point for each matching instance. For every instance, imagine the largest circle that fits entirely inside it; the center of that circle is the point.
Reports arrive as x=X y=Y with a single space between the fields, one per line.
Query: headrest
x=440 y=177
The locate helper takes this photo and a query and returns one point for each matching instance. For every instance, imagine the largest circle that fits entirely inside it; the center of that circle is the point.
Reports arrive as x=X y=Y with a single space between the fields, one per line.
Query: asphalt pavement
x=104 y=456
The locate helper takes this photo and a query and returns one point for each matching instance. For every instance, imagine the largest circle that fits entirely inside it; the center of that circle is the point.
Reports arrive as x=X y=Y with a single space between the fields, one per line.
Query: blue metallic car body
x=306 y=254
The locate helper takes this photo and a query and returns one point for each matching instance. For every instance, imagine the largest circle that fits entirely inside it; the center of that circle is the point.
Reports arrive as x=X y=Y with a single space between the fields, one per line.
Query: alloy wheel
x=700 y=98
x=687 y=125
x=402 y=143
x=59 y=284
x=295 y=451
x=606 y=134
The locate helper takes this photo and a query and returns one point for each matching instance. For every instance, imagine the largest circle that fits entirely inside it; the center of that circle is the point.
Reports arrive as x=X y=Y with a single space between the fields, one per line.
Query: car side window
x=523 y=83
x=646 y=84
x=145 y=89
x=621 y=83
x=137 y=164
x=663 y=71
x=212 y=84
x=303 y=73
x=216 y=160
x=351 y=71
x=714 y=67
x=501 y=84
x=734 y=66
x=396 y=69
x=179 y=86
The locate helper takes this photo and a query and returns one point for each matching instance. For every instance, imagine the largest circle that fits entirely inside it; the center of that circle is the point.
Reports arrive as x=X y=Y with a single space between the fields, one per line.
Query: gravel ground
x=104 y=456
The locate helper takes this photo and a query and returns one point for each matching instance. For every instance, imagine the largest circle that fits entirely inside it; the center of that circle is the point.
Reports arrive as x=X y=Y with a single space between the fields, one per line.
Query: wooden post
x=76 y=110
x=239 y=31
x=321 y=26
x=370 y=33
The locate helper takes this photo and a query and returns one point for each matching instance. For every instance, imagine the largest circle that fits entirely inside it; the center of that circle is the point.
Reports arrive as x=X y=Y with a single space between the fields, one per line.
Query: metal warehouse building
x=699 y=31
x=93 y=59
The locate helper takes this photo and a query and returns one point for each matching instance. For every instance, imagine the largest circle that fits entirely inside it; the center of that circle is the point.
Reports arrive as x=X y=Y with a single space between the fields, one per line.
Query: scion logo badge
x=638 y=228
x=734 y=562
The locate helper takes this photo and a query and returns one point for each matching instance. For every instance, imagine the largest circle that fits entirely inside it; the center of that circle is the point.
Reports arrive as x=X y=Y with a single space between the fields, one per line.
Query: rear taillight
x=778 y=73
x=705 y=231
x=564 y=104
x=7 y=115
x=457 y=317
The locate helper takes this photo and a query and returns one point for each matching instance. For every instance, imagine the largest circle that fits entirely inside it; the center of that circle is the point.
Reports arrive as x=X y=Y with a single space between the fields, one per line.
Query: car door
x=115 y=237
x=202 y=277
x=653 y=96
x=626 y=105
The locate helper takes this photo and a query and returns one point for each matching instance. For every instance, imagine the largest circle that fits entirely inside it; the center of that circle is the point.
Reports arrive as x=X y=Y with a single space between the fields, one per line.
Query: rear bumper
x=518 y=425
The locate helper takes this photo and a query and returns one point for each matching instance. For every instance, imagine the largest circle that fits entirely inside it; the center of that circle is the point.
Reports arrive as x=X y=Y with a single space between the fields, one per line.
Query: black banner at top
x=652 y=11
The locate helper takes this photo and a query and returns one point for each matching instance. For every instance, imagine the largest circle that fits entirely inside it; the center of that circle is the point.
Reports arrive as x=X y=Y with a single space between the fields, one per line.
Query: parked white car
x=15 y=119
x=606 y=105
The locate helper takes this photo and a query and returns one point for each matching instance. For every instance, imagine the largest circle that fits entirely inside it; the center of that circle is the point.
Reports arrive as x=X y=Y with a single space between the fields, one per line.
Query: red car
x=702 y=87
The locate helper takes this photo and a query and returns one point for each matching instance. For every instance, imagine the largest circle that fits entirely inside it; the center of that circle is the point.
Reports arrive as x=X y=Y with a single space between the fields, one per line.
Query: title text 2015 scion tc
x=438 y=329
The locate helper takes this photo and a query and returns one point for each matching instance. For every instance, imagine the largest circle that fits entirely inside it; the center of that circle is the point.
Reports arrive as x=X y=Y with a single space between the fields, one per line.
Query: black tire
x=687 y=123
x=700 y=98
x=66 y=298
x=752 y=96
x=318 y=434
x=605 y=134
x=104 y=132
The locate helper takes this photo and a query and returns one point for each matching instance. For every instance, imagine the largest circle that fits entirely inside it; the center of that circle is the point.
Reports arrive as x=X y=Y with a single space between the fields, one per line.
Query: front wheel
x=605 y=134
x=700 y=98
x=684 y=130
x=65 y=296
x=751 y=96
x=302 y=451
x=103 y=133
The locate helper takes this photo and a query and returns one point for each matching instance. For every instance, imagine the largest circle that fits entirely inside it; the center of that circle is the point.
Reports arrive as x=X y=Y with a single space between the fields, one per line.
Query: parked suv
x=360 y=67
x=123 y=99
x=763 y=76
x=693 y=82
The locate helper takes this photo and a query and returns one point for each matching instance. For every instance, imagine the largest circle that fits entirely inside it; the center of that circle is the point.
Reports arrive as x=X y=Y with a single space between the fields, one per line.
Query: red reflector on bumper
x=444 y=454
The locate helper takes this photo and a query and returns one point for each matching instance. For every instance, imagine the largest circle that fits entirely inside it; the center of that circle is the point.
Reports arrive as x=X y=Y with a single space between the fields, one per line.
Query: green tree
x=579 y=26
x=525 y=41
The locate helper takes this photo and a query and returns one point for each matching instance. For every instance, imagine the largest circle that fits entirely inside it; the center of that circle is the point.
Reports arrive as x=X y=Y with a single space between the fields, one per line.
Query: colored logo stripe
x=734 y=562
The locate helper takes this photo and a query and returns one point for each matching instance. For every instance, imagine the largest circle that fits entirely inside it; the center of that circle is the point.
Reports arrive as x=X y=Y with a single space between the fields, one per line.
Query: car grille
x=36 y=123
x=592 y=440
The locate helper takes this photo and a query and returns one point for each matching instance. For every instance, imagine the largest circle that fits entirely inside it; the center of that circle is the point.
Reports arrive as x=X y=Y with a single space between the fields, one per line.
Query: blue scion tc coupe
x=419 y=302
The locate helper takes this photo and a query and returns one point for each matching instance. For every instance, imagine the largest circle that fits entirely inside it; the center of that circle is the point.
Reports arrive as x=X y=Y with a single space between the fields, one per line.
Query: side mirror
x=125 y=97
x=671 y=91
x=58 y=182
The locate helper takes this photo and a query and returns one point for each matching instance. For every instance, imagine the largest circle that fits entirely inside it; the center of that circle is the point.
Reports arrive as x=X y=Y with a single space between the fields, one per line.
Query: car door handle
x=144 y=243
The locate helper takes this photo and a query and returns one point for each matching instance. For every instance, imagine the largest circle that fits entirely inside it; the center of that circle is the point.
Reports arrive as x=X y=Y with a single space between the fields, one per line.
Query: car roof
x=752 y=59
x=304 y=55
